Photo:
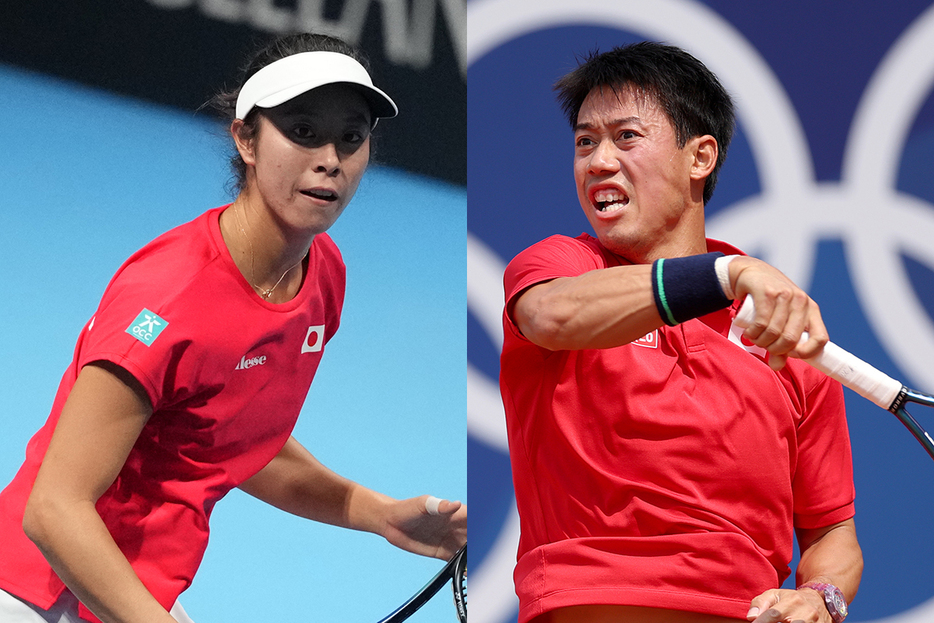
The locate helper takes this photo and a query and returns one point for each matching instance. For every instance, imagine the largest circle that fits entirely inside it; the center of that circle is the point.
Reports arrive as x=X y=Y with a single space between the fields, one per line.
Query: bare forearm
x=829 y=555
x=599 y=309
x=78 y=546
x=296 y=482
x=835 y=558
x=99 y=424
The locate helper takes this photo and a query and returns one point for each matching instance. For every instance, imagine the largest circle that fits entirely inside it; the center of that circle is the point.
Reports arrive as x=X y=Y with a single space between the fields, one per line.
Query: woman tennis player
x=189 y=378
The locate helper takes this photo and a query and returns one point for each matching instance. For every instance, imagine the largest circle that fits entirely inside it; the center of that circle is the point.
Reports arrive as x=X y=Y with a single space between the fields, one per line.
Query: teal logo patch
x=147 y=327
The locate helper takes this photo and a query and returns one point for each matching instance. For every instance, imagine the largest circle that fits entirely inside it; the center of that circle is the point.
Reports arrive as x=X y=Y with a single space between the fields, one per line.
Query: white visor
x=291 y=76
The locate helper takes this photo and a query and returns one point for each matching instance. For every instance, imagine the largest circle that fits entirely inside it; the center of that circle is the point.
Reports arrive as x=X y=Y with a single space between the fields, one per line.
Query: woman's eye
x=303 y=132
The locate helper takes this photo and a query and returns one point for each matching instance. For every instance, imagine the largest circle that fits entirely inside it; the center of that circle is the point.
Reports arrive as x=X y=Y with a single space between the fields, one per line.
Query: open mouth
x=609 y=200
x=320 y=193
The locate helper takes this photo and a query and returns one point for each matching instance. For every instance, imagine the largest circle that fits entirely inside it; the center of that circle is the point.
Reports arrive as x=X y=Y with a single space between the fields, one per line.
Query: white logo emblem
x=249 y=363
x=151 y=322
x=649 y=340
x=314 y=339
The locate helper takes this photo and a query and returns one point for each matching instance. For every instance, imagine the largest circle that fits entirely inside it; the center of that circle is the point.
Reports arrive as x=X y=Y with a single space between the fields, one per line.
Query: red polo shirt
x=669 y=472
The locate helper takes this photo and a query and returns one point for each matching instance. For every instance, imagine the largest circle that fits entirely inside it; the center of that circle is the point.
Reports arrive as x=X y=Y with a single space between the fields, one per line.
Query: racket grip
x=838 y=364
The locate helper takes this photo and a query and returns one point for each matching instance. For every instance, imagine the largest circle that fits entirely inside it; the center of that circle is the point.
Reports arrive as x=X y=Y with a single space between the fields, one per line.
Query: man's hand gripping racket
x=862 y=378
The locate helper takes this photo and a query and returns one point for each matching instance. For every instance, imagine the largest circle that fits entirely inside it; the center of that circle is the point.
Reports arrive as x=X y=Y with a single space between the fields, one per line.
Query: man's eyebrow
x=633 y=120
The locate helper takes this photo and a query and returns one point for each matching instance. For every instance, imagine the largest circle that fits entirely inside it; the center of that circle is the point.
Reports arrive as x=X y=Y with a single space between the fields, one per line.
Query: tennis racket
x=456 y=571
x=862 y=378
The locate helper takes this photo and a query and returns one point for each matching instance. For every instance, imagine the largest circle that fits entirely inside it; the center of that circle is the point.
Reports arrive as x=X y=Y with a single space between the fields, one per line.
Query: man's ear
x=244 y=140
x=705 y=151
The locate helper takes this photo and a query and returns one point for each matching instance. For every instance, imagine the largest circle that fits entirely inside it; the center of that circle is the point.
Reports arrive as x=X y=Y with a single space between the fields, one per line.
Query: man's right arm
x=609 y=307
x=601 y=308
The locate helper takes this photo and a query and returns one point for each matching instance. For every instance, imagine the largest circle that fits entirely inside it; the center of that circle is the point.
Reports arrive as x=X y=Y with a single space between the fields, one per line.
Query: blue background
x=86 y=178
x=521 y=189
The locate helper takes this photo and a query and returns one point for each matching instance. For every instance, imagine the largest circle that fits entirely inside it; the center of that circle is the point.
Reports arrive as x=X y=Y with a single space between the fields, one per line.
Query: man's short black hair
x=689 y=93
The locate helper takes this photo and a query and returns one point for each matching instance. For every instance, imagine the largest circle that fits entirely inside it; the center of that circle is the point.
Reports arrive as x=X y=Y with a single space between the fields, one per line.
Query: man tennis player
x=662 y=463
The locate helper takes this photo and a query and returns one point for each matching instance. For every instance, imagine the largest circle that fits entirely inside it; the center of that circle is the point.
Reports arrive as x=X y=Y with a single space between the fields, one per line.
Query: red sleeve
x=823 y=481
x=140 y=331
x=144 y=323
x=554 y=257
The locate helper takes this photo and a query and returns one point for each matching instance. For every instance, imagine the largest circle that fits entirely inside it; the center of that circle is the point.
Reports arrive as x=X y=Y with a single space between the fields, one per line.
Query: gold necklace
x=263 y=292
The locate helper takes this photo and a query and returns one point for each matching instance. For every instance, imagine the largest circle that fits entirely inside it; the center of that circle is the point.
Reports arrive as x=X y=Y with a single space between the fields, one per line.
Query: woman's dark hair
x=225 y=102
x=689 y=93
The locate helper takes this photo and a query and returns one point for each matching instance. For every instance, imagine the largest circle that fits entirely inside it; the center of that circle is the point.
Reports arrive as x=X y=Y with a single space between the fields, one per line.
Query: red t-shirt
x=227 y=374
x=668 y=472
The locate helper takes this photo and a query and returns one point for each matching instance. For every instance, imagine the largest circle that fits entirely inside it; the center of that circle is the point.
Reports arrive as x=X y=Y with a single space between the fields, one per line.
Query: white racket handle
x=845 y=367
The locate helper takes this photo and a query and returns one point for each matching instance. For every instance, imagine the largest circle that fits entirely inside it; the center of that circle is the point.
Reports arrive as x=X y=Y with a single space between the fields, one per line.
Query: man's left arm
x=829 y=555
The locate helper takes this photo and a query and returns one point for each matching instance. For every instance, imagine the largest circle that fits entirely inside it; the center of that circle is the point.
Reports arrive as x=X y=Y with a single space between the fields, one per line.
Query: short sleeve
x=141 y=334
x=824 y=491
x=554 y=257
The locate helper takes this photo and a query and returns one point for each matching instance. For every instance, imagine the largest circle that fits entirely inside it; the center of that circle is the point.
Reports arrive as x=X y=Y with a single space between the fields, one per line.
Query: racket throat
x=899 y=401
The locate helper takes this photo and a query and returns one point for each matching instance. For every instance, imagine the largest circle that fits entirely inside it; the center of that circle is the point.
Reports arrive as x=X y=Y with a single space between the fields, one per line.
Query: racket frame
x=898 y=408
x=453 y=570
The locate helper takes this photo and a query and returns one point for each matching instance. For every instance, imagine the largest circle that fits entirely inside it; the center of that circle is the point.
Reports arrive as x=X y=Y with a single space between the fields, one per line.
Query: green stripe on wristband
x=661 y=300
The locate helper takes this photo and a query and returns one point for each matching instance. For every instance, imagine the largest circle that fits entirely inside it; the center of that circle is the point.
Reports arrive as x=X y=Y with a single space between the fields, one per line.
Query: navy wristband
x=687 y=287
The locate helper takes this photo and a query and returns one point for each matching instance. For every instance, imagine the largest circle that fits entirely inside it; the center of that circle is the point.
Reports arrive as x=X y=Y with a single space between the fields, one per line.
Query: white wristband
x=722 y=266
x=432 y=504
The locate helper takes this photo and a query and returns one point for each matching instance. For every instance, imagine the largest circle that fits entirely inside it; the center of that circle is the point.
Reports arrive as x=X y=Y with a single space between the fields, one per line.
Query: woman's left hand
x=410 y=526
